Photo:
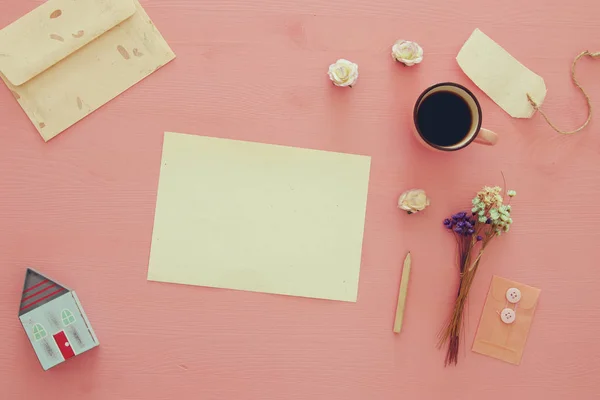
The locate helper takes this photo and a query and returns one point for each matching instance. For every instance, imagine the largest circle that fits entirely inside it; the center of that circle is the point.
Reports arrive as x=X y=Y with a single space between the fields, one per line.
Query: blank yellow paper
x=259 y=217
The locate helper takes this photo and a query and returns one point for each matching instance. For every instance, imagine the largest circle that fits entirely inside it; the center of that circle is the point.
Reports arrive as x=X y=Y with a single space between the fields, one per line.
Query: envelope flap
x=529 y=295
x=53 y=31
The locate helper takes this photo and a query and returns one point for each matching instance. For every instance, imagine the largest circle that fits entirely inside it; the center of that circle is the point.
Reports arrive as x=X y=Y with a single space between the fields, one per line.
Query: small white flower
x=406 y=52
x=343 y=73
x=413 y=201
x=512 y=193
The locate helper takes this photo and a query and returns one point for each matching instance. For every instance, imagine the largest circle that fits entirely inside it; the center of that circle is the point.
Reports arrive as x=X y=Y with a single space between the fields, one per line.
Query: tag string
x=537 y=107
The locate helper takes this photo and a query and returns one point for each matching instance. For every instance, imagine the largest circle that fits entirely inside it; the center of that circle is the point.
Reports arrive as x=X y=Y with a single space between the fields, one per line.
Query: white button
x=508 y=316
x=66 y=344
x=513 y=295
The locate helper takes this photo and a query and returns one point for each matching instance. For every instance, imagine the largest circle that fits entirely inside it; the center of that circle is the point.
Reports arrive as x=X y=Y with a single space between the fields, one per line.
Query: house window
x=39 y=332
x=67 y=317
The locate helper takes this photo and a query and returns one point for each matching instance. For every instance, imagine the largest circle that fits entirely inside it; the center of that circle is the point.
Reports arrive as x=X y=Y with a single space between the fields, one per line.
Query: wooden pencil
x=402 y=294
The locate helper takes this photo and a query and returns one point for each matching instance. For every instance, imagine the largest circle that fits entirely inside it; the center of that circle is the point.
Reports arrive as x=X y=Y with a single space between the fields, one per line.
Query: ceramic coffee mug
x=447 y=117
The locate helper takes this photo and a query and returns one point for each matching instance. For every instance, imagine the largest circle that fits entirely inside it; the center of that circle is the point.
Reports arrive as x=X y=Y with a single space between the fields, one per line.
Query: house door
x=63 y=344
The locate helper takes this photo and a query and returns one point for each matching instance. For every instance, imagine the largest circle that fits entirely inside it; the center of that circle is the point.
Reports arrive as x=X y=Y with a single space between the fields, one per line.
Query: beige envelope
x=67 y=58
x=496 y=339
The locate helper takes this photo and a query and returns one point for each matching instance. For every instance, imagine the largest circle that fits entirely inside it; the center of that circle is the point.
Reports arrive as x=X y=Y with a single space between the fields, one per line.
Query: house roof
x=38 y=290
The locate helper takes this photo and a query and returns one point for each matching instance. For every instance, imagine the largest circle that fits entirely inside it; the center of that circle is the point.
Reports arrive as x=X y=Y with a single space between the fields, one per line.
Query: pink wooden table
x=80 y=208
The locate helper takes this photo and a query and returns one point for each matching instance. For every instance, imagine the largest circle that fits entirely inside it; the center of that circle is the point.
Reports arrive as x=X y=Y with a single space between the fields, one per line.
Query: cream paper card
x=499 y=75
x=67 y=58
x=259 y=217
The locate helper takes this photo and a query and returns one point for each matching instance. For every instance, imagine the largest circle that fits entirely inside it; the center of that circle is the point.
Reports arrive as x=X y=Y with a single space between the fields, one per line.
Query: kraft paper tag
x=497 y=339
x=501 y=76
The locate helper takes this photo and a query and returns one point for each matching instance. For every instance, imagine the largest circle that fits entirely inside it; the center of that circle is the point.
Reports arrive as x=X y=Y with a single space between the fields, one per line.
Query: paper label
x=501 y=76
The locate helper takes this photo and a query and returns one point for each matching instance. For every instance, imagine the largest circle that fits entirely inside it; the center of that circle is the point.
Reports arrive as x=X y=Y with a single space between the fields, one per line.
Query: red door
x=63 y=344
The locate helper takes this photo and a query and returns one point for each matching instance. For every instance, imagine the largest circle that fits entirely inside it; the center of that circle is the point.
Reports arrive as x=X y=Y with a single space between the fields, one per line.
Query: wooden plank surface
x=80 y=208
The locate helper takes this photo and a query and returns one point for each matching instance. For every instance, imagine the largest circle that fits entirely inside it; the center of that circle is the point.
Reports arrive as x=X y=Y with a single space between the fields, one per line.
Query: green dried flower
x=494 y=214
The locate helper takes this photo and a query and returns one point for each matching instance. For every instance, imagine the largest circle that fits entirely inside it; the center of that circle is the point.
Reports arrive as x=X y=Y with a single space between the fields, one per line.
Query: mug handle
x=486 y=137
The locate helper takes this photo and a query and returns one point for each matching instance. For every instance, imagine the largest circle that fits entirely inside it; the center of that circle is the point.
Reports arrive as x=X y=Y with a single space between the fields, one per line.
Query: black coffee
x=444 y=118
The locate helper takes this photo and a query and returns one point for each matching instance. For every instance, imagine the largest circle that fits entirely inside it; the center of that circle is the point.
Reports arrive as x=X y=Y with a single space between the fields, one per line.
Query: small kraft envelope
x=67 y=58
x=496 y=338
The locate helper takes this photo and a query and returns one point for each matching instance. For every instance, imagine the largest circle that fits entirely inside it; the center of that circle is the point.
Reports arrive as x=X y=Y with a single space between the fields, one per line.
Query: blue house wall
x=80 y=334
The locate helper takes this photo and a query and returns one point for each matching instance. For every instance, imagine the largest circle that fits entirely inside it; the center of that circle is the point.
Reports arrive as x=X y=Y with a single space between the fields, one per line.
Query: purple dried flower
x=479 y=238
x=489 y=221
x=461 y=223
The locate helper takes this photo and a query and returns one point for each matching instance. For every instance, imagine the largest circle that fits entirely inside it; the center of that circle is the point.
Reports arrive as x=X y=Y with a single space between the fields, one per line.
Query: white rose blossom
x=413 y=201
x=343 y=73
x=406 y=52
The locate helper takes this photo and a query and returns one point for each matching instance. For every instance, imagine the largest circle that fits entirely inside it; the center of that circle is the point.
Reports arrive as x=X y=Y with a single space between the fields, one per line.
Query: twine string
x=538 y=107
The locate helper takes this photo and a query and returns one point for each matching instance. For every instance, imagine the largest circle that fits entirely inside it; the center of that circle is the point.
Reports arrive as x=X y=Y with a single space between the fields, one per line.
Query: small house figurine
x=54 y=320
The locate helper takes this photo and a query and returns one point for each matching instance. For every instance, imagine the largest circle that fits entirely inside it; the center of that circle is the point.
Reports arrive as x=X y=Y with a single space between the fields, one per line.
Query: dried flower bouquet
x=489 y=218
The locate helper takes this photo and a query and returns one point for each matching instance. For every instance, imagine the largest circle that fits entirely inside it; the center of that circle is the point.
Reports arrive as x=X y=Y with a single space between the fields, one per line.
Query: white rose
x=343 y=73
x=413 y=201
x=408 y=53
